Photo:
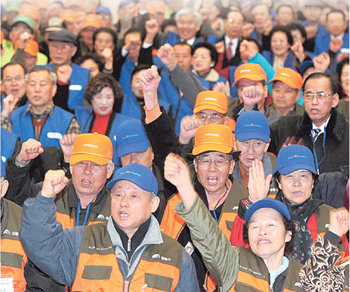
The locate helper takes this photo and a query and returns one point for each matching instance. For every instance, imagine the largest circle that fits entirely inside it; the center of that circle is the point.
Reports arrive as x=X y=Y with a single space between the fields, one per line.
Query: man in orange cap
x=26 y=52
x=90 y=24
x=285 y=93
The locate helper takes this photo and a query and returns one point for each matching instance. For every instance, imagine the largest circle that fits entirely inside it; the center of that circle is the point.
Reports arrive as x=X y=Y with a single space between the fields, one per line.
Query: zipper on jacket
x=129 y=244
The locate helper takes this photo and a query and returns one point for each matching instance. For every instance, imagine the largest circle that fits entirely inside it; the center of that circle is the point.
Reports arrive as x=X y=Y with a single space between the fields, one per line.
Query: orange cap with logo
x=94 y=147
x=92 y=20
x=290 y=77
x=250 y=71
x=213 y=137
x=211 y=100
x=32 y=47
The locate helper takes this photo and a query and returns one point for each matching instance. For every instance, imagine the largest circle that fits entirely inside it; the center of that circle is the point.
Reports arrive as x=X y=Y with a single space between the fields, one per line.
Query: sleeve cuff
x=152 y=114
x=332 y=237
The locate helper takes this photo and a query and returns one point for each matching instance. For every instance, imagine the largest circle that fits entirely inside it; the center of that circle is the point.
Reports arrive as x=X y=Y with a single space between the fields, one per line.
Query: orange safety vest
x=12 y=257
x=159 y=268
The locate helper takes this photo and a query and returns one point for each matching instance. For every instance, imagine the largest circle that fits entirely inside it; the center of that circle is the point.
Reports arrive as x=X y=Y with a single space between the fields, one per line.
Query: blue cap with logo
x=295 y=157
x=138 y=174
x=267 y=203
x=131 y=137
x=252 y=125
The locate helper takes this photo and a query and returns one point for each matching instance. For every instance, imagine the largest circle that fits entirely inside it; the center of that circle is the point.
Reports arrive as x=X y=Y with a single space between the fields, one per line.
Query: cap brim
x=287 y=81
x=254 y=78
x=290 y=168
x=272 y=204
x=234 y=154
x=213 y=107
x=111 y=184
x=132 y=148
x=241 y=137
x=75 y=158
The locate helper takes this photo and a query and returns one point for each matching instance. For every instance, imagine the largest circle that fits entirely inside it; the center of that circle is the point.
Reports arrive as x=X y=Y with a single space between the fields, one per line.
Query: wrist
x=184 y=140
x=171 y=66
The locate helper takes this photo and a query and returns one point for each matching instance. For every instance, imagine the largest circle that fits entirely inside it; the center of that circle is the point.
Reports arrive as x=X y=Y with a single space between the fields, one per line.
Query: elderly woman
x=105 y=96
x=269 y=229
x=296 y=176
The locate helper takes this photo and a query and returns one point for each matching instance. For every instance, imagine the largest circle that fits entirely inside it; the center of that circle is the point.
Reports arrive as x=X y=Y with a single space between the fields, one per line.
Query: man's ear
x=155 y=204
x=335 y=100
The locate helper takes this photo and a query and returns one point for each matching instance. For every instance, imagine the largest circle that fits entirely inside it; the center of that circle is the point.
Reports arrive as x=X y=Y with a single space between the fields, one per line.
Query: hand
x=24 y=38
x=341 y=57
x=66 y=143
x=8 y=105
x=252 y=95
x=335 y=45
x=258 y=185
x=220 y=87
x=220 y=47
x=298 y=50
x=54 y=182
x=247 y=29
x=64 y=72
x=30 y=149
x=188 y=127
x=292 y=141
x=149 y=81
x=248 y=51
x=321 y=62
x=339 y=221
x=167 y=56
x=107 y=53
x=176 y=171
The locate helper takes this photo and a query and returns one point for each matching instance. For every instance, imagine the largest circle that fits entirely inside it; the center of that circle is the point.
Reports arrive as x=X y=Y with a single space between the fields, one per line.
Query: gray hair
x=53 y=75
x=187 y=10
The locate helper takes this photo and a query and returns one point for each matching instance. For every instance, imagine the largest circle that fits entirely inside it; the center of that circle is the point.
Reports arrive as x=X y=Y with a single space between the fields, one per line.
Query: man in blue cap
x=126 y=252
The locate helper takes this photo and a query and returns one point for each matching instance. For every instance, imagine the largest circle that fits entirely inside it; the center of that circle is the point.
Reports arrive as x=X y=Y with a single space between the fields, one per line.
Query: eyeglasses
x=16 y=79
x=205 y=161
x=321 y=96
x=212 y=117
x=82 y=165
x=64 y=48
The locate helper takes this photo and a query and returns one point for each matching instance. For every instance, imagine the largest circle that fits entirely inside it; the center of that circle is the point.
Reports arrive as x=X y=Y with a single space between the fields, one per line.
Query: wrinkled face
x=143 y=158
x=134 y=39
x=87 y=35
x=285 y=15
x=14 y=82
x=297 y=186
x=318 y=109
x=103 y=40
x=131 y=206
x=335 y=23
x=183 y=55
x=201 y=61
x=297 y=36
x=106 y=19
x=61 y=53
x=91 y=65
x=40 y=90
x=344 y=79
x=234 y=24
x=211 y=117
x=213 y=169
x=17 y=30
x=187 y=26
x=102 y=103
x=279 y=43
x=251 y=150
x=89 y=178
x=261 y=15
x=136 y=86
x=267 y=234
x=312 y=13
x=284 y=97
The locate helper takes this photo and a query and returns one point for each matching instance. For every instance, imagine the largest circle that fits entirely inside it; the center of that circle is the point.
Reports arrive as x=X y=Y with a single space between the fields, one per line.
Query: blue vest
x=78 y=82
x=84 y=117
x=210 y=84
x=174 y=38
x=8 y=143
x=54 y=128
x=289 y=62
x=125 y=76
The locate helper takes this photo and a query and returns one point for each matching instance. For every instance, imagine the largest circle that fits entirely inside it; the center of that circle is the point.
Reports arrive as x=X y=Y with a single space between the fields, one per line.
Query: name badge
x=6 y=285
x=75 y=87
x=53 y=135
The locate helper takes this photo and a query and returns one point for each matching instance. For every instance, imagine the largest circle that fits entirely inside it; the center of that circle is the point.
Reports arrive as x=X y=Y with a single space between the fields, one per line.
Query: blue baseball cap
x=267 y=203
x=131 y=137
x=252 y=125
x=103 y=9
x=138 y=174
x=295 y=157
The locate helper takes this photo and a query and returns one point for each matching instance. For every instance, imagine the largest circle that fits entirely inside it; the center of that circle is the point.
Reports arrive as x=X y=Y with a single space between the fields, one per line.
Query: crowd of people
x=174 y=145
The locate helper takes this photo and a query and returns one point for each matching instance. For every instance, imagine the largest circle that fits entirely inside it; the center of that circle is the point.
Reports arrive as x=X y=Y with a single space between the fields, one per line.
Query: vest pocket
x=158 y=282
x=97 y=272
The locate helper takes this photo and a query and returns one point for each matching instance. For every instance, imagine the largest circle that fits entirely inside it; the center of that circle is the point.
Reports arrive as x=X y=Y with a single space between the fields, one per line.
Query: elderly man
x=128 y=251
x=322 y=129
x=71 y=78
x=41 y=119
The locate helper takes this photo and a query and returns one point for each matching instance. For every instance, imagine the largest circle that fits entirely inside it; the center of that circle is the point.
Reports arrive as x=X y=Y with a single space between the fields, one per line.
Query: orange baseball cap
x=92 y=20
x=290 y=77
x=29 y=10
x=211 y=100
x=32 y=47
x=154 y=7
x=94 y=147
x=68 y=15
x=250 y=71
x=213 y=137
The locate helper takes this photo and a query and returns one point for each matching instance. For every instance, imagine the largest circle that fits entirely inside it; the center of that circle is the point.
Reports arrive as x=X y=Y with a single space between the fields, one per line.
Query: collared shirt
x=190 y=41
x=317 y=131
x=233 y=46
x=339 y=36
